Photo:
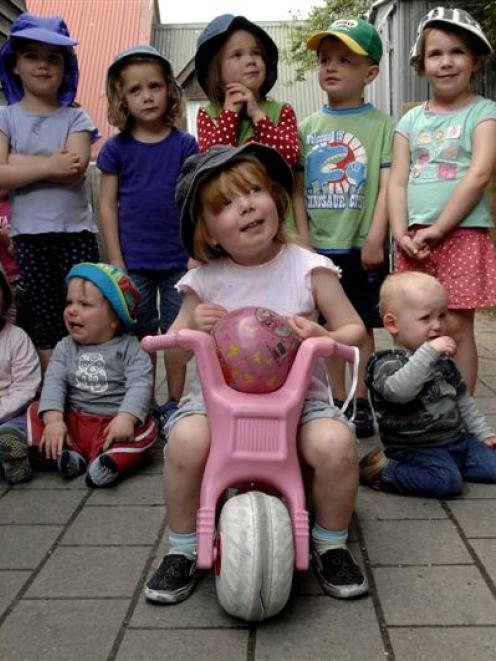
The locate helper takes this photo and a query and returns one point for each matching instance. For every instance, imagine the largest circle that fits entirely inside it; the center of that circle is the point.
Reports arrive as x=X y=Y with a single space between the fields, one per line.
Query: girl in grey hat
x=233 y=203
x=236 y=66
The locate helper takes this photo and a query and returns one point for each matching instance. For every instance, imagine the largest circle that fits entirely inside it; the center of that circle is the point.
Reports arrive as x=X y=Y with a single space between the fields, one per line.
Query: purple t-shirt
x=148 y=217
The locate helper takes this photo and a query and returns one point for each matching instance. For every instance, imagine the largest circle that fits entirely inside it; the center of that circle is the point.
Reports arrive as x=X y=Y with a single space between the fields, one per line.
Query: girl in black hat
x=236 y=66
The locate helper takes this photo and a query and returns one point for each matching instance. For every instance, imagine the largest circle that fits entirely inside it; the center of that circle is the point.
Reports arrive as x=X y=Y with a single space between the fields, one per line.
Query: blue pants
x=439 y=472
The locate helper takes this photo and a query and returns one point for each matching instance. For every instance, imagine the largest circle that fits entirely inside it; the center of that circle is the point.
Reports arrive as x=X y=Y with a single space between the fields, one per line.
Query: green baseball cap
x=358 y=35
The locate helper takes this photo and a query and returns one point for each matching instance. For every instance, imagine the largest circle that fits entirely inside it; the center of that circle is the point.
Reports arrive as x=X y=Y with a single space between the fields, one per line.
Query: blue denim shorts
x=160 y=300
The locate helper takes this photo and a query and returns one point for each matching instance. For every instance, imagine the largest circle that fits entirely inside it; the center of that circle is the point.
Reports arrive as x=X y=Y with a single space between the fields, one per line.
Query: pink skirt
x=464 y=261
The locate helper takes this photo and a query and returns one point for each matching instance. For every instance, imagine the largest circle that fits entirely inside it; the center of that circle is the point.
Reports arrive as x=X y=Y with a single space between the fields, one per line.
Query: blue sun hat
x=47 y=30
x=117 y=287
x=217 y=33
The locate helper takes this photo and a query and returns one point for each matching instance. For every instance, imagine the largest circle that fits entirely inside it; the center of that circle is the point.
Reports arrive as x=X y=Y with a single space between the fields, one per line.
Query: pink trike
x=259 y=537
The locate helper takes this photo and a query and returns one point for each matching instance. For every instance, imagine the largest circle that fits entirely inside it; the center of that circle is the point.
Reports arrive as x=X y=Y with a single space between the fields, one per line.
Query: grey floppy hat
x=198 y=168
x=216 y=34
x=144 y=50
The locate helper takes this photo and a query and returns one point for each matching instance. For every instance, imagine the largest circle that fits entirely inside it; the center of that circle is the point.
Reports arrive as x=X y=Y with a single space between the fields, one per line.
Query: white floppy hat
x=458 y=17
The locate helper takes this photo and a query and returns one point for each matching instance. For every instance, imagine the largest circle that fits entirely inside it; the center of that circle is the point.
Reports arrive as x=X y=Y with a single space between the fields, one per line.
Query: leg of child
x=106 y=467
x=328 y=448
x=427 y=472
x=187 y=452
x=461 y=329
x=480 y=462
x=170 y=303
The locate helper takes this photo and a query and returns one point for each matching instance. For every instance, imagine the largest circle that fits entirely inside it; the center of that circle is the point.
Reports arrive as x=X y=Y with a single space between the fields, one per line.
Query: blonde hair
x=118 y=114
x=399 y=287
x=214 y=83
x=473 y=43
x=215 y=192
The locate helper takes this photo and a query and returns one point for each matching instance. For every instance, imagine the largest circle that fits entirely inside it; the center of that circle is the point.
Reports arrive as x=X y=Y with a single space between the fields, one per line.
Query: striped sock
x=323 y=539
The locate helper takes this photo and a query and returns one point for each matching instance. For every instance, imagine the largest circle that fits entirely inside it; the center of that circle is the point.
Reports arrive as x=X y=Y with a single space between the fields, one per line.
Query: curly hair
x=118 y=113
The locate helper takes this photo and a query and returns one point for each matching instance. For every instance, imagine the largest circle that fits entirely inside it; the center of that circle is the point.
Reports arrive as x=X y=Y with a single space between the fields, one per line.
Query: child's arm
x=475 y=422
x=282 y=136
x=54 y=435
x=372 y=253
x=20 y=170
x=396 y=195
x=109 y=218
x=469 y=190
x=222 y=131
x=299 y=209
x=25 y=374
x=342 y=320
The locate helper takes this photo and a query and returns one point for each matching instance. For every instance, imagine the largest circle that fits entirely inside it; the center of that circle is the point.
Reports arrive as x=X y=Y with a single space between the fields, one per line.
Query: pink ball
x=256 y=348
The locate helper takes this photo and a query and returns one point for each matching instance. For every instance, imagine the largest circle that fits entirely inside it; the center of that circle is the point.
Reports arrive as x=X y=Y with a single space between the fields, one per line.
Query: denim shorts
x=160 y=300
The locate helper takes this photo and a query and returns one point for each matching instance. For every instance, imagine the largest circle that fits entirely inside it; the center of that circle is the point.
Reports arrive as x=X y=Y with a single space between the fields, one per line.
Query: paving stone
x=115 y=525
x=112 y=571
x=200 y=611
x=486 y=550
x=10 y=584
x=62 y=630
x=322 y=628
x=23 y=506
x=24 y=547
x=53 y=480
x=190 y=645
x=383 y=506
x=154 y=462
x=487 y=367
x=487 y=405
x=414 y=543
x=476 y=517
x=136 y=490
x=416 y=596
x=472 y=490
x=455 y=644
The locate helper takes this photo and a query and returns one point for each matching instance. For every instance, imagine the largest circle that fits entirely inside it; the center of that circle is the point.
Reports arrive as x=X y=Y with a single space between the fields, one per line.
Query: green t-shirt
x=342 y=153
x=440 y=156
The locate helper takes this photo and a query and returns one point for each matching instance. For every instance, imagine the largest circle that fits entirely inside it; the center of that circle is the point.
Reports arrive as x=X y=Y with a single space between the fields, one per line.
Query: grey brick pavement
x=73 y=563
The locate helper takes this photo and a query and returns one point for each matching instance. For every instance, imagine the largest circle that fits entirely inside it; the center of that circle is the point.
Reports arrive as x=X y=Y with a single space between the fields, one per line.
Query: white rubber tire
x=257 y=556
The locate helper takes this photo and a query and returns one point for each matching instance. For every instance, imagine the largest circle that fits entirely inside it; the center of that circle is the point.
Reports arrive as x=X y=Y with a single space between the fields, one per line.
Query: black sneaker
x=338 y=573
x=364 y=418
x=174 y=580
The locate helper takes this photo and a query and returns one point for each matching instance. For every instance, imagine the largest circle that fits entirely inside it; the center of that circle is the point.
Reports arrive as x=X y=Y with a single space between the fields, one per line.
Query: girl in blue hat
x=236 y=66
x=44 y=152
x=140 y=167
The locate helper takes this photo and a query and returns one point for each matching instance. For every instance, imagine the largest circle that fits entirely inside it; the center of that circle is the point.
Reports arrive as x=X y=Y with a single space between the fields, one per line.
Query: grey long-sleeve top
x=99 y=379
x=421 y=400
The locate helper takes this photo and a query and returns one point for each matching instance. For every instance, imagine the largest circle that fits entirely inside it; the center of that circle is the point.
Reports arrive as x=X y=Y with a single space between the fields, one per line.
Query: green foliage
x=485 y=13
x=319 y=18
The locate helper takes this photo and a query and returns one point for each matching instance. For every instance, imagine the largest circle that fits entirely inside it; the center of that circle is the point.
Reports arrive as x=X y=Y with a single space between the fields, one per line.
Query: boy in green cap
x=340 y=201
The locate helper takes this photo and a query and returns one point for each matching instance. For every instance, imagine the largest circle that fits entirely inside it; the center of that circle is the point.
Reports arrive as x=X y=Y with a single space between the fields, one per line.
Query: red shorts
x=464 y=261
x=87 y=433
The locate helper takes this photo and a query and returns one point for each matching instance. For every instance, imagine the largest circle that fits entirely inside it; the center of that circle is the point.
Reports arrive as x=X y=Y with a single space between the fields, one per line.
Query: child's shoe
x=71 y=464
x=174 y=580
x=371 y=468
x=102 y=472
x=14 y=455
x=338 y=573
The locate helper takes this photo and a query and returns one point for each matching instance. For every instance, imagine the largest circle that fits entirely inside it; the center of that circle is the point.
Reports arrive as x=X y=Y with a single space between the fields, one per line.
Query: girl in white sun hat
x=443 y=157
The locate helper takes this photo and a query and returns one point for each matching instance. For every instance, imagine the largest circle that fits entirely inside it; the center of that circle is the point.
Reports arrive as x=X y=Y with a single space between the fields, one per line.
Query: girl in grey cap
x=233 y=203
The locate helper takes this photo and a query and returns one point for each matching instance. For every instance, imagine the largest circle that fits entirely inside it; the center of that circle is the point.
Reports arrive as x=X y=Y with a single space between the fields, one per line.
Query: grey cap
x=200 y=167
x=143 y=50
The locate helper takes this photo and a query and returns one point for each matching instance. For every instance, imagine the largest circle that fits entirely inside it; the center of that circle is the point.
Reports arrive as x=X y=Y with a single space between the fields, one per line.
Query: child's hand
x=427 y=237
x=54 y=438
x=444 y=344
x=206 y=315
x=305 y=328
x=411 y=249
x=490 y=442
x=120 y=429
x=63 y=164
x=237 y=96
x=372 y=255
x=5 y=238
